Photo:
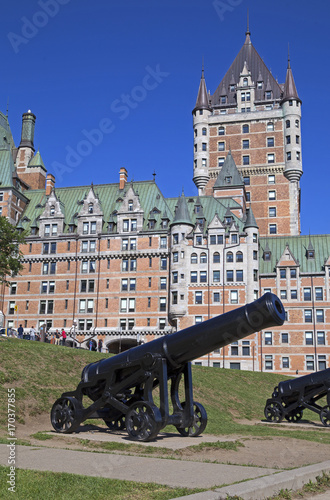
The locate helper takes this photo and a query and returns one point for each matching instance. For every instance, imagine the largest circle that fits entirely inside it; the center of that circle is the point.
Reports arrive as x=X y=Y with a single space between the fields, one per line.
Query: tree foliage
x=10 y=254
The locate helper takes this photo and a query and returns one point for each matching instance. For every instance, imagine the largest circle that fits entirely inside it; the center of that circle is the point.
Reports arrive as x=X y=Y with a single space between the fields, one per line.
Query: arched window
x=245 y=128
x=245 y=82
x=270 y=126
x=287 y=123
x=297 y=123
x=229 y=257
x=193 y=258
x=52 y=210
x=221 y=131
x=239 y=257
x=204 y=131
x=216 y=257
x=203 y=258
x=90 y=208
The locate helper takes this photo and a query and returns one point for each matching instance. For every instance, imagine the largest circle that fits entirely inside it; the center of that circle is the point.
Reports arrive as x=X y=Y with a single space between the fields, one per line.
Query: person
x=100 y=343
x=57 y=337
x=20 y=332
x=32 y=333
x=90 y=345
x=63 y=336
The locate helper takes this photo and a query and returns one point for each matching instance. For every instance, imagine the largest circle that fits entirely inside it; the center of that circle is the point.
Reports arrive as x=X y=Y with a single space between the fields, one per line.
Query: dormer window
x=245 y=82
x=228 y=180
x=130 y=205
x=52 y=210
x=268 y=94
x=151 y=224
x=223 y=99
x=232 y=88
x=267 y=255
x=197 y=209
x=228 y=220
x=90 y=208
x=310 y=254
x=259 y=85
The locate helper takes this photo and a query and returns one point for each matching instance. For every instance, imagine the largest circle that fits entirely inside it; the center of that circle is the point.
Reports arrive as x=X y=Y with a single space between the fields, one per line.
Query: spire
x=36 y=161
x=250 y=219
x=290 y=90
x=202 y=101
x=182 y=213
x=247 y=33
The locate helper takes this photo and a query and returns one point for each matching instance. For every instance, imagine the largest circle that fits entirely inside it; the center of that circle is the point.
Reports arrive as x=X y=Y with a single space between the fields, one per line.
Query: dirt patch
x=273 y=452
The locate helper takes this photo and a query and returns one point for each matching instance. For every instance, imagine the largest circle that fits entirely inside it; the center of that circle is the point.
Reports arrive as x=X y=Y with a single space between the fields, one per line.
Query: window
x=271 y=179
x=239 y=275
x=174 y=298
x=297 y=123
x=310 y=363
x=321 y=338
x=285 y=338
x=287 y=124
x=285 y=362
x=288 y=139
x=272 y=211
x=163 y=242
x=203 y=258
x=322 y=361
x=163 y=263
x=221 y=131
x=319 y=316
x=230 y=257
x=255 y=274
x=198 y=298
x=270 y=142
x=124 y=284
x=246 y=181
x=204 y=146
x=307 y=294
x=294 y=294
x=221 y=161
x=246 y=144
x=234 y=349
x=270 y=127
x=221 y=146
x=255 y=255
x=255 y=238
x=193 y=277
x=246 y=160
x=272 y=229
x=124 y=265
x=133 y=265
x=283 y=294
x=175 y=256
x=11 y=307
x=132 y=244
x=245 y=82
x=204 y=162
x=309 y=338
x=46 y=307
x=230 y=275
x=268 y=338
x=162 y=304
x=268 y=94
x=246 y=348
x=220 y=239
x=163 y=283
x=268 y=362
x=175 y=239
x=245 y=129
x=272 y=195
x=308 y=315
x=297 y=155
x=216 y=297
x=213 y=239
x=203 y=277
x=175 y=277
x=204 y=131
x=216 y=258
x=239 y=257
x=234 y=297
x=124 y=244
x=132 y=284
x=47 y=229
x=198 y=319
x=288 y=155
x=297 y=139
x=199 y=240
x=271 y=158
x=216 y=276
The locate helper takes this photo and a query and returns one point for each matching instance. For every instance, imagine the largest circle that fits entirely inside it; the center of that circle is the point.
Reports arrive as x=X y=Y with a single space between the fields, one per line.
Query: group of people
x=57 y=338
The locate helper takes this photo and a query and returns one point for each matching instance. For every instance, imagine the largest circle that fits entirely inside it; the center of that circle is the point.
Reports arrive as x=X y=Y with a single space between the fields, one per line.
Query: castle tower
x=248 y=115
x=201 y=113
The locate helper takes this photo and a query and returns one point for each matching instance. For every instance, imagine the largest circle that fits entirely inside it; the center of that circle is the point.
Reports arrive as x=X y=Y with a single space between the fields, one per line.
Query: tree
x=10 y=254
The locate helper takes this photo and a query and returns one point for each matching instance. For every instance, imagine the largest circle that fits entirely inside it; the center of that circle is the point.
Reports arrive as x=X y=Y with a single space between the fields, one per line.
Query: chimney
x=28 y=124
x=50 y=184
x=122 y=177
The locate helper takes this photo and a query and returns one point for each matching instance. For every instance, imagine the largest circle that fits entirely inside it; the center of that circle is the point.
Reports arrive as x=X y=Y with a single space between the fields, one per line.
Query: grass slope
x=41 y=372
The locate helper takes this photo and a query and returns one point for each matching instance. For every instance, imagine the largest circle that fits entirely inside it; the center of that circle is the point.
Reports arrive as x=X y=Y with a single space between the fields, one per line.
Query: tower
x=249 y=114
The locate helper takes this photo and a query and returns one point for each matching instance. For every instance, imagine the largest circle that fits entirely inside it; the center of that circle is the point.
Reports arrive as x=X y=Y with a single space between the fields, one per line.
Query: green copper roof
x=229 y=176
x=36 y=161
x=7 y=168
x=250 y=219
x=298 y=246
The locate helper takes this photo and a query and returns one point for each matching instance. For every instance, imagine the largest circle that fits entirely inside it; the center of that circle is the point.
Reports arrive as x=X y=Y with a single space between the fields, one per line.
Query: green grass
x=229 y=396
x=36 y=485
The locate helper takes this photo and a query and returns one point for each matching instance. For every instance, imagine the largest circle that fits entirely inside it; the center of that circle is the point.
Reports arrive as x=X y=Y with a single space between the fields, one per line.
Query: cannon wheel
x=143 y=421
x=325 y=416
x=199 y=423
x=117 y=424
x=64 y=415
x=273 y=412
x=294 y=416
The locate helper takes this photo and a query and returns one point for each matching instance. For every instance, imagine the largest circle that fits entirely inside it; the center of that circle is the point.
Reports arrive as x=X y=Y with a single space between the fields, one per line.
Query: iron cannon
x=291 y=397
x=124 y=388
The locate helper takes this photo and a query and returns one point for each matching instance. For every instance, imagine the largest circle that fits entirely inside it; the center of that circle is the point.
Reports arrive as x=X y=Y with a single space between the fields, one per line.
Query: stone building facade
x=123 y=263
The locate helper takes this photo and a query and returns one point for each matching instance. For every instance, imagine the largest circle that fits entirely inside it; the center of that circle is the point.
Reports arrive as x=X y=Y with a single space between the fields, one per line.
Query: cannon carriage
x=291 y=397
x=122 y=387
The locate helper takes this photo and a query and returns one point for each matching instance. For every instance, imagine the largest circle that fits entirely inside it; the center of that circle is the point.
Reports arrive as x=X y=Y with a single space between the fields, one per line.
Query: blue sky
x=129 y=71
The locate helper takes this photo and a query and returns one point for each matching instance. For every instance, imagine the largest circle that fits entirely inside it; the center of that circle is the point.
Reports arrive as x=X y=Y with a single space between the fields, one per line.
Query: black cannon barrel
x=293 y=386
x=198 y=340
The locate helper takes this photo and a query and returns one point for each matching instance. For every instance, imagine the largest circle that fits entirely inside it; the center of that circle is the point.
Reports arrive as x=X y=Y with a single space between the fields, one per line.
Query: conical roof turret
x=250 y=220
x=182 y=213
x=290 y=90
x=229 y=175
x=202 y=101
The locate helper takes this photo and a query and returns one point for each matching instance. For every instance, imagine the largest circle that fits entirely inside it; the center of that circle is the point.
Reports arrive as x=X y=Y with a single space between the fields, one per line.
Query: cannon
x=291 y=397
x=123 y=388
